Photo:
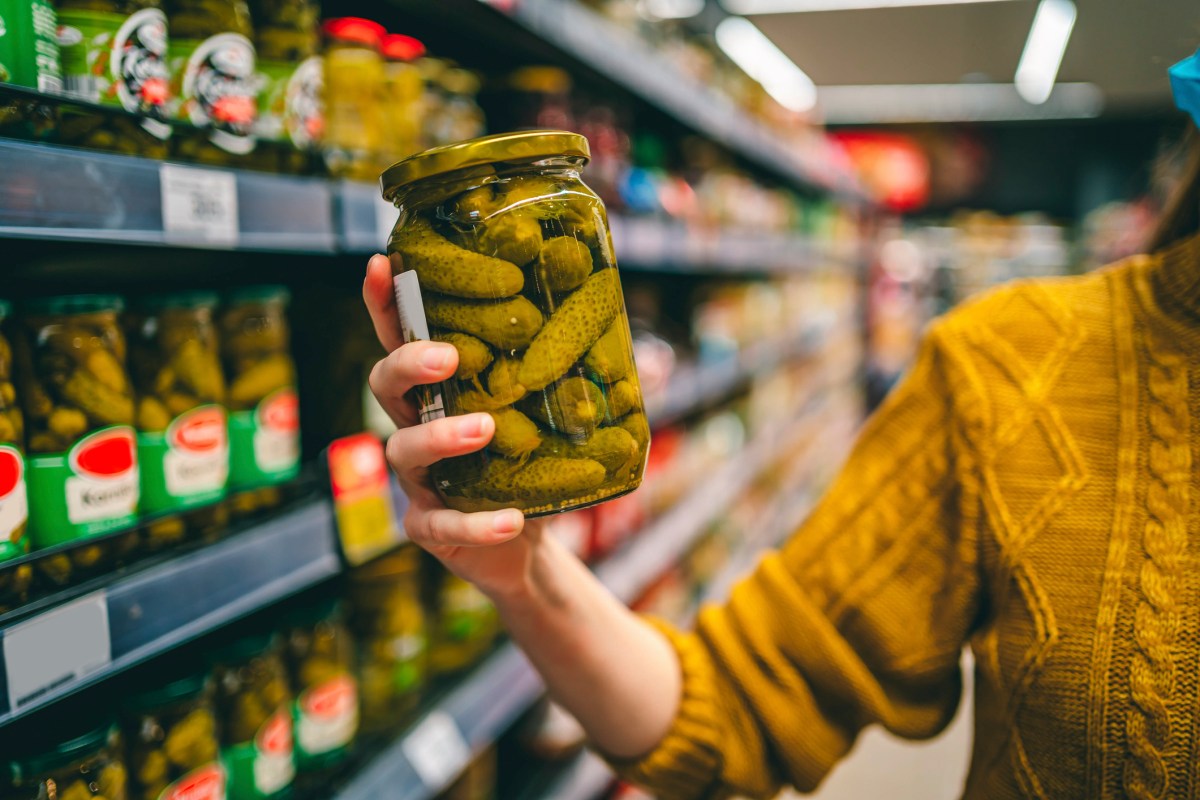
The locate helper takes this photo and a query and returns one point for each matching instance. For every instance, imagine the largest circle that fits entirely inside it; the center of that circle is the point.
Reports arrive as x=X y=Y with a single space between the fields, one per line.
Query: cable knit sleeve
x=859 y=619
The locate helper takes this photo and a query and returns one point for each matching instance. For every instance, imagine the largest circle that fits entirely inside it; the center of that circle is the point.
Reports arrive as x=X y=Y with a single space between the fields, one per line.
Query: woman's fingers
x=416 y=447
x=442 y=527
x=410 y=365
x=380 y=298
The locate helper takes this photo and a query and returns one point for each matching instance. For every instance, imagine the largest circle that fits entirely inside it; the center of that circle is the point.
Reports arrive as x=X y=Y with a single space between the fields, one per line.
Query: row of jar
x=94 y=439
x=261 y=84
x=276 y=711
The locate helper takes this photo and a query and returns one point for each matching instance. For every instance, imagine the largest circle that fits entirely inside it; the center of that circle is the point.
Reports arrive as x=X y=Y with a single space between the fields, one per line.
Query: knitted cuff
x=686 y=763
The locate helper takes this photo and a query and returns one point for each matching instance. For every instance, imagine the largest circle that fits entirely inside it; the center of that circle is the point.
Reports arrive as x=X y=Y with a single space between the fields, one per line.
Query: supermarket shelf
x=587 y=37
x=146 y=613
x=51 y=192
x=585 y=777
x=504 y=686
x=665 y=246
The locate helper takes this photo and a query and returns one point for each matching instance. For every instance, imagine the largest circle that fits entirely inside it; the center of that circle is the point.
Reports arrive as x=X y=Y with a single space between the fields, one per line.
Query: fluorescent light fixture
x=954 y=102
x=801 y=6
x=759 y=58
x=1038 y=68
x=673 y=9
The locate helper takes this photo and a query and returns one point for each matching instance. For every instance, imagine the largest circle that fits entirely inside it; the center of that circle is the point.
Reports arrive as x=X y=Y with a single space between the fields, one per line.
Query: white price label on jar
x=437 y=750
x=199 y=205
x=55 y=648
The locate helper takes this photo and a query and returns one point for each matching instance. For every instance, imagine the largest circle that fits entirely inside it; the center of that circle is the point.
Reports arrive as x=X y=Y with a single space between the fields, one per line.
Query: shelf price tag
x=199 y=205
x=437 y=750
x=57 y=647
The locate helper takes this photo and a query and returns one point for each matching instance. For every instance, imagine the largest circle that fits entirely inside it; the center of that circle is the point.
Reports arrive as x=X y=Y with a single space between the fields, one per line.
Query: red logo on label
x=105 y=454
x=200 y=431
x=275 y=736
x=12 y=471
x=331 y=700
x=205 y=783
x=280 y=412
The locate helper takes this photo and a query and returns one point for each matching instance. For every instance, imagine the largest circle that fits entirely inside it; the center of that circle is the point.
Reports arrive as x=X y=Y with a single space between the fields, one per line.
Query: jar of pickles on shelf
x=501 y=250
x=254 y=706
x=291 y=116
x=183 y=437
x=354 y=95
x=14 y=504
x=171 y=736
x=264 y=421
x=86 y=766
x=81 y=467
x=465 y=624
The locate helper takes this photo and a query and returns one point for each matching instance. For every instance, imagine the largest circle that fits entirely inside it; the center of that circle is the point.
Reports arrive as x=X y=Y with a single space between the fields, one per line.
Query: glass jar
x=501 y=250
x=291 y=115
x=14 y=505
x=264 y=423
x=354 y=80
x=213 y=83
x=465 y=624
x=320 y=659
x=81 y=470
x=403 y=100
x=183 y=437
x=389 y=622
x=85 y=767
x=171 y=735
x=255 y=719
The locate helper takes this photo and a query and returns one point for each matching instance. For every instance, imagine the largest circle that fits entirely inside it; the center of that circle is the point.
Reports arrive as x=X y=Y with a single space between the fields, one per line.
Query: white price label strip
x=437 y=750
x=199 y=205
x=55 y=648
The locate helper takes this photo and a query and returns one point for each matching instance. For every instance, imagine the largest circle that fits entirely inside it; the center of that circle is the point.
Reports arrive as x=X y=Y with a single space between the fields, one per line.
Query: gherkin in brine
x=571 y=330
x=442 y=266
x=507 y=325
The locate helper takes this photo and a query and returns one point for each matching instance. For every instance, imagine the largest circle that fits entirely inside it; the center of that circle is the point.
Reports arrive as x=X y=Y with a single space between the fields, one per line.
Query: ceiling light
x=759 y=58
x=672 y=9
x=800 y=6
x=953 y=102
x=1038 y=68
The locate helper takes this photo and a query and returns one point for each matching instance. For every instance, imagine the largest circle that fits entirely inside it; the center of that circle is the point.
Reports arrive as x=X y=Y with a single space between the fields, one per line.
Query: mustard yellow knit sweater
x=1030 y=490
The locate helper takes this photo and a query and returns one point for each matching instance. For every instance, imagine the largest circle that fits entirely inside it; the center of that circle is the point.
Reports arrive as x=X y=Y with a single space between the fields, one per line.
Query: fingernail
x=435 y=357
x=472 y=426
x=506 y=521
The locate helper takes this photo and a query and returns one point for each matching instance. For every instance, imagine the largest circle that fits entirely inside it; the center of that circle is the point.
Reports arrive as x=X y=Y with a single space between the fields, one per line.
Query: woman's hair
x=1181 y=214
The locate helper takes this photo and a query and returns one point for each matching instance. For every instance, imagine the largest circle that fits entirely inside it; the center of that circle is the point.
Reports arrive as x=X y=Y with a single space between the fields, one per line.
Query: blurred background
x=795 y=188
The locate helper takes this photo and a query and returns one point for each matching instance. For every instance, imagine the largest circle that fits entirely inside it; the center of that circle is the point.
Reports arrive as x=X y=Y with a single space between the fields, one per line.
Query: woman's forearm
x=617 y=675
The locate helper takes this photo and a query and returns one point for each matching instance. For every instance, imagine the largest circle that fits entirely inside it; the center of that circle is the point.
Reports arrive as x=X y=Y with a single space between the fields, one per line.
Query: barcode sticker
x=437 y=750
x=56 y=648
x=415 y=328
x=199 y=205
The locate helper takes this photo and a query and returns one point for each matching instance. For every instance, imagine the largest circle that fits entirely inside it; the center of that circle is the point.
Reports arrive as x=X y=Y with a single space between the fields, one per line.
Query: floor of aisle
x=882 y=765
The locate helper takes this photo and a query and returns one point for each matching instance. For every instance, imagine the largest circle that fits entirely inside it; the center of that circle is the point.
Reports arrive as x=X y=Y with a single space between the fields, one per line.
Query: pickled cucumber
x=272 y=373
x=473 y=355
x=507 y=325
x=102 y=403
x=572 y=330
x=563 y=264
x=612 y=447
x=576 y=406
x=540 y=480
x=442 y=266
x=512 y=237
x=623 y=397
x=476 y=204
x=502 y=382
x=198 y=370
x=609 y=358
x=637 y=426
x=516 y=436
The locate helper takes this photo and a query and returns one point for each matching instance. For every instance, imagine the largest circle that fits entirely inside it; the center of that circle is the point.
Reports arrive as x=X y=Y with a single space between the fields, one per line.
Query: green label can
x=89 y=490
x=263 y=767
x=188 y=464
x=116 y=60
x=326 y=718
x=290 y=106
x=29 y=45
x=215 y=87
x=14 y=505
x=203 y=783
x=264 y=443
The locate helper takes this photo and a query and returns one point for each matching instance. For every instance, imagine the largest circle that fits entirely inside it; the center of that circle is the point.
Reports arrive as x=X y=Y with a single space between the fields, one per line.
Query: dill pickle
x=571 y=330
x=563 y=264
x=575 y=406
x=609 y=359
x=442 y=266
x=473 y=355
x=516 y=435
x=612 y=447
x=506 y=325
x=623 y=397
x=512 y=237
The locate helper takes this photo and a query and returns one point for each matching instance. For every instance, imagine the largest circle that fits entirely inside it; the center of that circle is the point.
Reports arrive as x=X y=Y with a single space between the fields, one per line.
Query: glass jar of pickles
x=171 y=735
x=84 y=767
x=14 y=505
x=320 y=659
x=183 y=438
x=502 y=251
x=82 y=470
x=354 y=81
x=254 y=708
x=389 y=623
x=264 y=422
x=403 y=100
x=291 y=115
x=465 y=623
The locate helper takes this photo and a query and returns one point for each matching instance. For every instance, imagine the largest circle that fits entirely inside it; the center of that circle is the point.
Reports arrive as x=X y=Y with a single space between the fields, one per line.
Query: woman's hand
x=485 y=548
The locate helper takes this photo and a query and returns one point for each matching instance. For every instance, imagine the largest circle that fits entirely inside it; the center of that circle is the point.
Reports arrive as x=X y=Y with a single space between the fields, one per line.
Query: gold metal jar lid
x=517 y=146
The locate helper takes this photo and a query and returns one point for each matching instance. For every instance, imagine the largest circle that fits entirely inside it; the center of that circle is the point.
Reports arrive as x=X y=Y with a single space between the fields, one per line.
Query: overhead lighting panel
x=1044 y=49
x=759 y=58
x=803 y=6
